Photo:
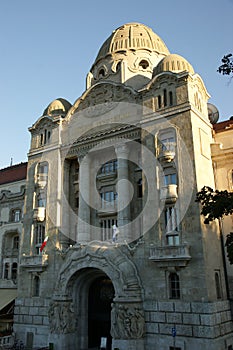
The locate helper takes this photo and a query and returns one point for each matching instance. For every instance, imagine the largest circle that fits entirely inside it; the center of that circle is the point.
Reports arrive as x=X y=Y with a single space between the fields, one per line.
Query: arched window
x=174 y=286
x=218 y=286
x=14 y=269
x=159 y=102
x=36 y=286
x=16 y=242
x=164 y=97
x=6 y=270
x=170 y=98
x=139 y=184
x=144 y=64
x=44 y=137
x=101 y=73
x=118 y=66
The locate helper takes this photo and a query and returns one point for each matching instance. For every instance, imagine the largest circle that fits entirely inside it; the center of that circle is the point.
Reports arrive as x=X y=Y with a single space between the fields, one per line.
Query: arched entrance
x=100 y=287
x=100 y=298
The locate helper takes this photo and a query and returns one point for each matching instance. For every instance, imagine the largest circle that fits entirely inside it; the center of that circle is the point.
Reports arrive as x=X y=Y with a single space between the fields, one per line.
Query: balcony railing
x=169 y=193
x=39 y=214
x=6 y=342
x=176 y=255
x=34 y=262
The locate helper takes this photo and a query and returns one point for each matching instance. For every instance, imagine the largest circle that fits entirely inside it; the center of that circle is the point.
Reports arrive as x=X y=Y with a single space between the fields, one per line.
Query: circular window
x=144 y=64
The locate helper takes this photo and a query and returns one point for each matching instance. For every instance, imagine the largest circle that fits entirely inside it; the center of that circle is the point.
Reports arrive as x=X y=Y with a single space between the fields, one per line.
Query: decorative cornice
x=8 y=195
x=104 y=137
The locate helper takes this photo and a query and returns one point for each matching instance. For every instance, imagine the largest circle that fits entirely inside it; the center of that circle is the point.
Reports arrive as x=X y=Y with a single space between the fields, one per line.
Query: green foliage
x=215 y=204
x=227 y=65
x=229 y=245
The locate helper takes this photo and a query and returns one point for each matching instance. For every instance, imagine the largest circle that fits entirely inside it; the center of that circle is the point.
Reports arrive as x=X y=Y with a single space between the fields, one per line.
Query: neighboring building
x=222 y=156
x=111 y=186
x=12 y=192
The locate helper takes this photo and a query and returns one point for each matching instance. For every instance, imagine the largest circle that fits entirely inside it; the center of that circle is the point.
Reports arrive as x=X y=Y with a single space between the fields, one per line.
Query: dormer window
x=101 y=73
x=118 y=66
x=45 y=137
x=144 y=64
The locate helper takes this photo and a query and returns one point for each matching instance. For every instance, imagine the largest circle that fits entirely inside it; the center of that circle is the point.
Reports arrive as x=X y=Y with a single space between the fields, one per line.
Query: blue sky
x=48 y=47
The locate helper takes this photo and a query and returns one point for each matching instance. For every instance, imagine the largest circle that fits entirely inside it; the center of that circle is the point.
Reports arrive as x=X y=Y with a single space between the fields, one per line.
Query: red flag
x=44 y=243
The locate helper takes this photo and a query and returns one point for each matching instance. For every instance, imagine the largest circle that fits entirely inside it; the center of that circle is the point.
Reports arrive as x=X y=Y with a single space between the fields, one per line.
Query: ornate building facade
x=114 y=252
x=12 y=193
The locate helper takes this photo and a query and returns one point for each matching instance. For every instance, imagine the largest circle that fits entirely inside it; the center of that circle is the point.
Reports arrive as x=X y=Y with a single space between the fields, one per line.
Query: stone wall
x=32 y=313
x=205 y=322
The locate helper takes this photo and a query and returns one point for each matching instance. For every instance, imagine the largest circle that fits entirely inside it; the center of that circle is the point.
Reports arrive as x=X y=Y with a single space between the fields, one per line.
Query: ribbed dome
x=59 y=106
x=173 y=63
x=132 y=36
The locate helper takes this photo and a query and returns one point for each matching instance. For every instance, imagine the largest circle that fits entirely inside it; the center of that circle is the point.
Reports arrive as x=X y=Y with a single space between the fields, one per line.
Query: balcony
x=39 y=214
x=169 y=193
x=170 y=256
x=166 y=152
x=34 y=262
x=42 y=180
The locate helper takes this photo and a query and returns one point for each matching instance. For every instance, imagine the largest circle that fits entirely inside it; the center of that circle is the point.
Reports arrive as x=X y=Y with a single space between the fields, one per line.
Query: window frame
x=174 y=285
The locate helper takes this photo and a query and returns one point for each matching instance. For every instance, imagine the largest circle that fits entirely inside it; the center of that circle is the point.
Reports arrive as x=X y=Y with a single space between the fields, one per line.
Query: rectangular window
x=168 y=144
x=174 y=286
x=170 y=179
x=171 y=219
x=41 y=200
x=173 y=240
x=16 y=215
x=42 y=173
x=107 y=199
x=40 y=236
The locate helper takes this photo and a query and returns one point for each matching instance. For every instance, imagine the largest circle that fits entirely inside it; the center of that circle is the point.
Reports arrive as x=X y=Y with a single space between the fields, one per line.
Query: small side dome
x=60 y=106
x=173 y=63
x=213 y=113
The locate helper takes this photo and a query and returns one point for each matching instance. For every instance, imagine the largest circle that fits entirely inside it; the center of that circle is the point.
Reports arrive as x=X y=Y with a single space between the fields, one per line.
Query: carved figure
x=61 y=317
x=127 y=322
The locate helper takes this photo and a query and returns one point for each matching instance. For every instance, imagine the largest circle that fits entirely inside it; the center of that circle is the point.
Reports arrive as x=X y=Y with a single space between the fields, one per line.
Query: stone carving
x=127 y=322
x=103 y=98
x=61 y=317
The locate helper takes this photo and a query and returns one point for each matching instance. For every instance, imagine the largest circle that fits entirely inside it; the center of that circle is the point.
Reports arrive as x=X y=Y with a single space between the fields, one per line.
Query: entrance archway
x=81 y=281
x=100 y=298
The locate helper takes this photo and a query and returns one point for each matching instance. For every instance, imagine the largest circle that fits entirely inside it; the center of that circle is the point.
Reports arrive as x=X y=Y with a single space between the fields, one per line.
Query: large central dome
x=132 y=36
x=128 y=56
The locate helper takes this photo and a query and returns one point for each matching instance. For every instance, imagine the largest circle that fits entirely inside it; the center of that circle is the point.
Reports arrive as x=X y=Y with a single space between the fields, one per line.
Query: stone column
x=65 y=222
x=123 y=190
x=83 y=234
